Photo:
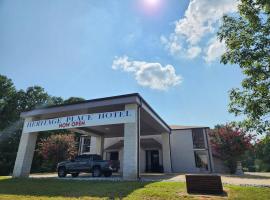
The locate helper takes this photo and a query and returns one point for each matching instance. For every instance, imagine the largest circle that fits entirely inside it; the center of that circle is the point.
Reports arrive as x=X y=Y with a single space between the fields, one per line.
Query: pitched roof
x=92 y=103
x=180 y=127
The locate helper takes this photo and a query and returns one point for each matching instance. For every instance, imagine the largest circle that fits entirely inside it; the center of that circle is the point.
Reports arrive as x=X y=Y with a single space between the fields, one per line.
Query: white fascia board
x=80 y=106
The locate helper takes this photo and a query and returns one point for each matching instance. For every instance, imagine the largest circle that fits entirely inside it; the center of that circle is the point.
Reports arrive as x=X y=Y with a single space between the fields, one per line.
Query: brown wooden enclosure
x=204 y=184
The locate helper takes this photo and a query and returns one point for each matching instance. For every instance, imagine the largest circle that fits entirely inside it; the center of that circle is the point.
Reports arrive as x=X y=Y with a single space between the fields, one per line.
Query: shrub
x=263 y=154
x=230 y=144
x=56 y=148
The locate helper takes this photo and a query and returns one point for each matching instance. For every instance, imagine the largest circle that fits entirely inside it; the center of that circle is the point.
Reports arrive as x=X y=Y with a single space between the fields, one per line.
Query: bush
x=56 y=148
x=230 y=144
x=263 y=154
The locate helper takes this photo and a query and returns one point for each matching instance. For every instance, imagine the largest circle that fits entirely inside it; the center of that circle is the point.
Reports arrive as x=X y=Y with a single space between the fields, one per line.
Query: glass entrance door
x=152 y=161
x=114 y=155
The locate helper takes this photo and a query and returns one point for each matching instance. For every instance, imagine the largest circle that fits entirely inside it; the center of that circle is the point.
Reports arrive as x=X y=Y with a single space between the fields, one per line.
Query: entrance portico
x=127 y=116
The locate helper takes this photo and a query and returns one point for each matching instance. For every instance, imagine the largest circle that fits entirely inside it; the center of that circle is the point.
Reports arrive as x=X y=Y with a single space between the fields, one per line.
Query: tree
x=263 y=154
x=57 y=148
x=73 y=100
x=247 y=40
x=7 y=93
x=230 y=144
x=7 y=89
x=10 y=123
x=12 y=103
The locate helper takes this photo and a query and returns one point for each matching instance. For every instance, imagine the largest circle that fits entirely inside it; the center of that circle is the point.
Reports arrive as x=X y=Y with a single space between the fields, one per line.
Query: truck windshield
x=97 y=157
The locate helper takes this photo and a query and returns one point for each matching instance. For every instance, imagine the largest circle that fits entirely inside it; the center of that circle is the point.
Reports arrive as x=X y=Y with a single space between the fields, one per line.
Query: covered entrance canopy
x=127 y=116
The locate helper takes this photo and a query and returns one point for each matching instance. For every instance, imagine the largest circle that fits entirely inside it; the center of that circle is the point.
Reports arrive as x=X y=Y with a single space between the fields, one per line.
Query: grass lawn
x=51 y=189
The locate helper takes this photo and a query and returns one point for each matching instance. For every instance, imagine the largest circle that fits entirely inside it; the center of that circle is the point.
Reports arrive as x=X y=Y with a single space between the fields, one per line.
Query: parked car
x=86 y=163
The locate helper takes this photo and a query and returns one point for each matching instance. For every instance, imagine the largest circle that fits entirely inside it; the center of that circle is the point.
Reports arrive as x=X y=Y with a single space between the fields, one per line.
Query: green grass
x=51 y=189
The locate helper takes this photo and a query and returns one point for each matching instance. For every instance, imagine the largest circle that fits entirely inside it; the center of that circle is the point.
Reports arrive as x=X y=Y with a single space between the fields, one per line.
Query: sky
x=166 y=50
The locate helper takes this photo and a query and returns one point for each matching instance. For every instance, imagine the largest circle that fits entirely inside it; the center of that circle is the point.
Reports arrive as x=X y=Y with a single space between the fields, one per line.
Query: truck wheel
x=107 y=174
x=62 y=172
x=96 y=172
x=75 y=175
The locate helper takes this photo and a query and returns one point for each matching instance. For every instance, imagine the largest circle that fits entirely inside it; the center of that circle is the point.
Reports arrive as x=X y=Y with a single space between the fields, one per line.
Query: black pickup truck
x=86 y=163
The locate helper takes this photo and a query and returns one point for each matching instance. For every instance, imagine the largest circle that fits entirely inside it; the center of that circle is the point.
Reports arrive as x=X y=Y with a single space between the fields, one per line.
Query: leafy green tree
x=11 y=125
x=7 y=94
x=12 y=103
x=33 y=97
x=248 y=160
x=73 y=100
x=263 y=154
x=55 y=101
x=7 y=89
x=247 y=39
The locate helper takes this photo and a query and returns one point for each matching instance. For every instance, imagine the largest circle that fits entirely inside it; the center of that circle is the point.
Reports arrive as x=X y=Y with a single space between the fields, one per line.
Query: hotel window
x=201 y=159
x=198 y=139
x=85 y=144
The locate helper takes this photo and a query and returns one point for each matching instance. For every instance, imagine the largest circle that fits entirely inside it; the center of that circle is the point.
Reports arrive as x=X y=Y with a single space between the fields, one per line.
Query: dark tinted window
x=77 y=158
x=97 y=157
x=201 y=159
x=86 y=144
x=198 y=138
x=83 y=157
x=114 y=155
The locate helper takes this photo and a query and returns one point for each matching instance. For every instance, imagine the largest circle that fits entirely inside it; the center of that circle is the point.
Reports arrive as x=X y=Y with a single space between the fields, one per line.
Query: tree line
x=12 y=103
x=246 y=37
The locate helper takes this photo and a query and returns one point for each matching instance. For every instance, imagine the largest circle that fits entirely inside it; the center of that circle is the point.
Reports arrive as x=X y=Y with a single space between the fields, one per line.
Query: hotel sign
x=94 y=119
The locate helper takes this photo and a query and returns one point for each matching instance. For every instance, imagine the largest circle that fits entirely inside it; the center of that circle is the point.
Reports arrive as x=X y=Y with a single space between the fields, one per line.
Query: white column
x=93 y=148
x=100 y=145
x=25 y=154
x=81 y=146
x=166 y=154
x=130 y=158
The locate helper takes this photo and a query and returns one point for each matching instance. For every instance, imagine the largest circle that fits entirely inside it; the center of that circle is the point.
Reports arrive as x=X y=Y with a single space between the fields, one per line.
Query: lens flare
x=150 y=6
x=151 y=3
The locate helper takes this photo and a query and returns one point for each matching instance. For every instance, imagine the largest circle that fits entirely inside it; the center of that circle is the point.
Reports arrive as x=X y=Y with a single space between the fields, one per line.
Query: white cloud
x=171 y=44
x=201 y=19
x=174 y=47
x=201 y=16
x=193 y=51
x=152 y=75
x=214 y=50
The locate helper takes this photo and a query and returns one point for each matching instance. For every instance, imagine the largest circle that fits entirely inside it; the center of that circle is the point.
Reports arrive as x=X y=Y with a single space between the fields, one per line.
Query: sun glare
x=151 y=6
x=152 y=3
